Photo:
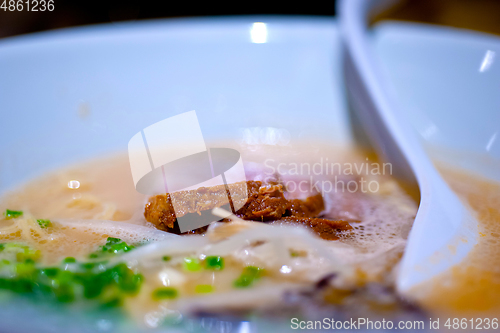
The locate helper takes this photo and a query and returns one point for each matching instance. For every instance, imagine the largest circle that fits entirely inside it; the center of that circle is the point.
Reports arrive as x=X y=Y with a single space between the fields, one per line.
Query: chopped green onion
x=50 y=272
x=113 y=241
x=112 y=246
x=107 y=285
x=192 y=264
x=204 y=288
x=24 y=269
x=214 y=262
x=21 y=252
x=12 y=214
x=15 y=246
x=115 y=245
x=43 y=223
x=4 y=262
x=166 y=258
x=165 y=293
x=248 y=277
x=88 y=265
x=252 y=271
x=28 y=254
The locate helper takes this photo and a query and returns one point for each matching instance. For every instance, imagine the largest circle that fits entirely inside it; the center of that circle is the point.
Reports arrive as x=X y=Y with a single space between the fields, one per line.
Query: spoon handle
x=442 y=221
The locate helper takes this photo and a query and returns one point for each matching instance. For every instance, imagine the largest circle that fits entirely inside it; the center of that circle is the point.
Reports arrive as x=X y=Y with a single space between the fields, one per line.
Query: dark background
x=82 y=12
x=481 y=15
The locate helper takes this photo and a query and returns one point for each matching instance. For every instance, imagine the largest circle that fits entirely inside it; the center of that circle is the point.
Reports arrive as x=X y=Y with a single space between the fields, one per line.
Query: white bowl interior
x=72 y=94
x=447 y=81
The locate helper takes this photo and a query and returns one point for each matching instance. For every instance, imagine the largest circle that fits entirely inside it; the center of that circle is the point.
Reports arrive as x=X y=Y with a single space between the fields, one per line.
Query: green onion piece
x=166 y=258
x=50 y=272
x=2 y=246
x=214 y=262
x=28 y=254
x=15 y=246
x=88 y=265
x=192 y=264
x=253 y=271
x=113 y=240
x=24 y=269
x=94 y=280
x=43 y=223
x=64 y=277
x=12 y=214
x=165 y=293
x=65 y=293
x=115 y=245
x=204 y=288
x=248 y=277
x=112 y=246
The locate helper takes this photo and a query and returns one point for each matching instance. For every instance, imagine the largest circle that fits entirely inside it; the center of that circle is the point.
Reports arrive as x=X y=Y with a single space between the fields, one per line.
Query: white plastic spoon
x=444 y=230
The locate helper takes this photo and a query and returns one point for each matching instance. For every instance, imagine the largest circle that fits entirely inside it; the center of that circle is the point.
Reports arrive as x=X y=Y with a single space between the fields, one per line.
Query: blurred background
x=482 y=15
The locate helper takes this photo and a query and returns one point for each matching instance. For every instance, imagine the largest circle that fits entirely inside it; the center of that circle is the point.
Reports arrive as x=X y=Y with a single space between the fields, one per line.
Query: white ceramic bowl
x=72 y=94
x=447 y=82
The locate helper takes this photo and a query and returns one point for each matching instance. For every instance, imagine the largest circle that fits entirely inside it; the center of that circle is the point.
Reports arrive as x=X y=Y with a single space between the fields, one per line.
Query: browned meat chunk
x=265 y=203
x=310 y=207
x=326 y=229
x=160 y=210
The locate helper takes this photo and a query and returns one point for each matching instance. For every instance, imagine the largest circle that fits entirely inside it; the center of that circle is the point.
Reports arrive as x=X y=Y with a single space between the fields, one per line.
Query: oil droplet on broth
x=73 y=184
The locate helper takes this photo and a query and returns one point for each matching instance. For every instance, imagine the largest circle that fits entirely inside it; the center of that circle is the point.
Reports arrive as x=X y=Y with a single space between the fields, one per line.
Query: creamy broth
x=105 y=204
x=100 y=189
x=473 y=287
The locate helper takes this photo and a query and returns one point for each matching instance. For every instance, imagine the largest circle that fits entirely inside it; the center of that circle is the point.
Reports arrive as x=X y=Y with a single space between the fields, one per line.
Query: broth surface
x=89 y=202
x=473 y=287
